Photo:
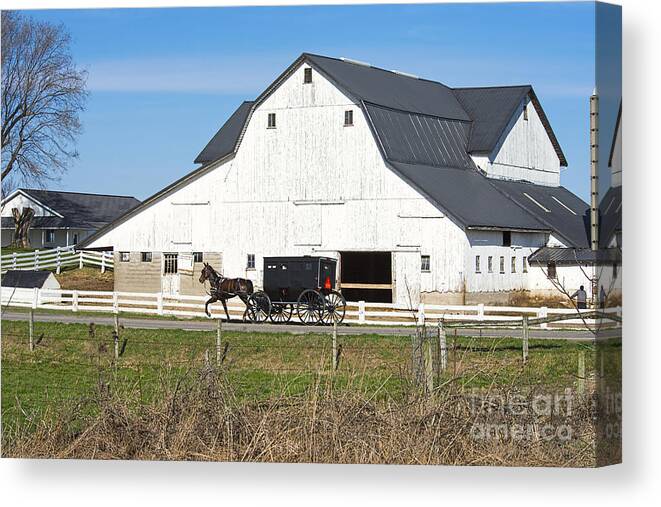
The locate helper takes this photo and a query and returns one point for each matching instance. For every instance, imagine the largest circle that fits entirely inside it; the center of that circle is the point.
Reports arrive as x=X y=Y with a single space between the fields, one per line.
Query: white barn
x=421 y=191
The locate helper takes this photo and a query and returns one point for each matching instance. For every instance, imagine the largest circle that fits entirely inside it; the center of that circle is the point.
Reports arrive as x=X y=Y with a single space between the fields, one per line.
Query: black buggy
x=304 y=284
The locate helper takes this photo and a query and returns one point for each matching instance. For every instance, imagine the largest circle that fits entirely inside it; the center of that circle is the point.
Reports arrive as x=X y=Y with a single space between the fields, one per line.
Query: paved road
x=201 y=325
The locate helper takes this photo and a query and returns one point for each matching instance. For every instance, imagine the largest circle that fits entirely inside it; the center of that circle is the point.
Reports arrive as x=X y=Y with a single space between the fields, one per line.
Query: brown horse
x=223 y=289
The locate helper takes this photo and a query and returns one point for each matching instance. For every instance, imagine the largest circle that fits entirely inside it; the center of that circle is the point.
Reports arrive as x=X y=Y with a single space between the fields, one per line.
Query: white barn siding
x=525 y=151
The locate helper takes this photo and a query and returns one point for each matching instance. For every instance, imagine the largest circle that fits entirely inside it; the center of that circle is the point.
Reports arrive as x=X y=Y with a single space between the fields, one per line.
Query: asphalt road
x=201 y=325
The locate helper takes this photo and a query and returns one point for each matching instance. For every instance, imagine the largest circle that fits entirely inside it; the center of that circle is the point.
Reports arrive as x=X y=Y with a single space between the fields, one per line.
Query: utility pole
x=594 y=188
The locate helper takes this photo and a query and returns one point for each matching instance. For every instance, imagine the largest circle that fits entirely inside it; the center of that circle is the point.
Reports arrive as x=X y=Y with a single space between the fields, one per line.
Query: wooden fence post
x=442 y=348
x=361 y=312
x=428 y=362
x=58 y=262
x=115 y=337
x=36 y=260
x=13 y=264
x=31 y=329
x=334 y=351
x=159 y=303
x=526 y=337
x=103 y=262
x=421 y=314
x=80 y=259
x=115 y=303
x=480 y=311
x=74 y=301
x=580 y=387
x=542 y=313
x=219 y=336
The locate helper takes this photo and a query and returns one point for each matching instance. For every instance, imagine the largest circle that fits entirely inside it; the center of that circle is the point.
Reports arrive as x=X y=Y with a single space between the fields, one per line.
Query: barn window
x=507 y=238
x=348 y=118
x=170 y=264
x=477 y=264
x=271 y=123
x=307 y=75
x=124 y=256
x=198 y=257
x=50 y=236
x=513 y=264
x=502 y=264
x=490 y=264
x=145 y=256
x=425 y=264
x=75 y=238
x=250 y=264
x=551 y=271
x=525 y=264
x=525 y=112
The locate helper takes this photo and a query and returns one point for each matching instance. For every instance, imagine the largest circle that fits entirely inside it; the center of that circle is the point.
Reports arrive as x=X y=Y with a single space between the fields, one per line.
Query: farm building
x=422 y=192
x=61 y=218
x=18 y=285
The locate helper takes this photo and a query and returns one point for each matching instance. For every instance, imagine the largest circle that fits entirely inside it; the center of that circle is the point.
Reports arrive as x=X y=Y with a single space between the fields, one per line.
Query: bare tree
x=43 y=94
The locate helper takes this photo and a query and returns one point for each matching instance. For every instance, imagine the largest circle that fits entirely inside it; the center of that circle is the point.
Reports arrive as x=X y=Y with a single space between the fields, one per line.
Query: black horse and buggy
x=301 y=285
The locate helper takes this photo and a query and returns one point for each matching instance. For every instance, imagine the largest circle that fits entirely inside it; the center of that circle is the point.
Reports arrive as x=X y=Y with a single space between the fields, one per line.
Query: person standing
x=581 y=298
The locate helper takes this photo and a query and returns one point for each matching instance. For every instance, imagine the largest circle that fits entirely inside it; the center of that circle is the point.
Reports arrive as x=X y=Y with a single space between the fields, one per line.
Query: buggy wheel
x=259 y=307
x=335 y=307
x=310 y=307
x=281 y=313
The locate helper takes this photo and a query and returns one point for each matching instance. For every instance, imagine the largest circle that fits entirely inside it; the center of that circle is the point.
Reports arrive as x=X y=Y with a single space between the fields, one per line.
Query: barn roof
x=75 y=209
x=224 y=142
x=25 y=279
x=610 y=215
x=574 y=256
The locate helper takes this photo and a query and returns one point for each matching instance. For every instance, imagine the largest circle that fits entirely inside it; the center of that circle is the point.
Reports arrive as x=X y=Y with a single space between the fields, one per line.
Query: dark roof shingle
x=24 y=279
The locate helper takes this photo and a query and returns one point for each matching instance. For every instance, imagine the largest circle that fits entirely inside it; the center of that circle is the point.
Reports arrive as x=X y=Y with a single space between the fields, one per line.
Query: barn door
x=407 y=279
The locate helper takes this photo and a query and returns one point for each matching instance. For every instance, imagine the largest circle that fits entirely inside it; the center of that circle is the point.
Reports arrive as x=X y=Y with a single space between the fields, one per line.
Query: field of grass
x=68 y=362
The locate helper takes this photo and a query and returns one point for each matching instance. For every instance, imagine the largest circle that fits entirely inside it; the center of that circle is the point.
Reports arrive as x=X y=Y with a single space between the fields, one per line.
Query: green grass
x=67 y=364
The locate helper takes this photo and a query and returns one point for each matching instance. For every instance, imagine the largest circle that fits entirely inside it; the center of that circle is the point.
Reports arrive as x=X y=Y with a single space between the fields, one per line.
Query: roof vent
x=355 y=62
x=406 y=74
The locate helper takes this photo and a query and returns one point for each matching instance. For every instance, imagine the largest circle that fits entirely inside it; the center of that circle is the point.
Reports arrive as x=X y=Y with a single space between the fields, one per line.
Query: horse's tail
x=249 y=287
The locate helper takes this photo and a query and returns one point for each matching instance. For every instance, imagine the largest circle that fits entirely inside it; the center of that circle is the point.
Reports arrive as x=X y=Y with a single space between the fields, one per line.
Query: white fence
x=360 y=312
x=57 y=258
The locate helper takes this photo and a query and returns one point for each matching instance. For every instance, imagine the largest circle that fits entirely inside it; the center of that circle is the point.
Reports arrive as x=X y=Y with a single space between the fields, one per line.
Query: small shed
x=18 y=285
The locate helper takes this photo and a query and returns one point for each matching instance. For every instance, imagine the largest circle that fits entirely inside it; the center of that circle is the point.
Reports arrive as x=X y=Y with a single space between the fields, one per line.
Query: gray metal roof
x=224 y=142
x=556 y=207
x=421 y=139
x=79 y=210
x=24 y=279
x=468 y=196
x=574 y=256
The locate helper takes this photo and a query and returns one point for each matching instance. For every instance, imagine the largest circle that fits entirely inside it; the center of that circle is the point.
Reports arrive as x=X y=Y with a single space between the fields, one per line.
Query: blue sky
x=162 y=81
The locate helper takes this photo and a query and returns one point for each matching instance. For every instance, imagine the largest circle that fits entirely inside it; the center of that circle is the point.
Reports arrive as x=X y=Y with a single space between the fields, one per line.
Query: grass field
x=275 y=397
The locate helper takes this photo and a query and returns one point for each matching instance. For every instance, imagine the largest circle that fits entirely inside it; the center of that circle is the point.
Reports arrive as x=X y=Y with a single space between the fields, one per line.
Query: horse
x=223 y=289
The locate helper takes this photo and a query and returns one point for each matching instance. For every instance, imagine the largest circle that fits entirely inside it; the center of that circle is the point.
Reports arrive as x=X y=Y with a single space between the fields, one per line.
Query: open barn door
x=366 y=276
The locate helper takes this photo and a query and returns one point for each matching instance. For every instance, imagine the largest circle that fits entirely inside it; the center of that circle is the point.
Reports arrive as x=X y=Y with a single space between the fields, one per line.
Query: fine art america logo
x=517 y=418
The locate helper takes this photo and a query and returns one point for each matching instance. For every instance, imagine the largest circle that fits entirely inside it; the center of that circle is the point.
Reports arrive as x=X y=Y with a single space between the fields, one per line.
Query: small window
x=124 y=256
x=525 y=112
x=513 y=264
x=145 y=256
x=425 y=264
x=525 y=264
x=307 y=75
x=198 y=257
x=551 y=270
x=170 y=264
x=75 y=238
x=490 y=264
x=250 y=264
x=477 y=264
x=507 y=238
x=271 y=123
x=50 y=236
x=348 y=118
x=502 y=264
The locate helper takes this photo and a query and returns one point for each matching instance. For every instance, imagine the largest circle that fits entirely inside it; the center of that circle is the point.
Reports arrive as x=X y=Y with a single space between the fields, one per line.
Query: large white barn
x=421 y=191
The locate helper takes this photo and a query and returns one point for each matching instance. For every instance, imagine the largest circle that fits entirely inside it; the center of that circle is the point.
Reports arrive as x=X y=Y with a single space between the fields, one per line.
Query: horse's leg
x=244 y=298
x=212 y=299
x=224 y=301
